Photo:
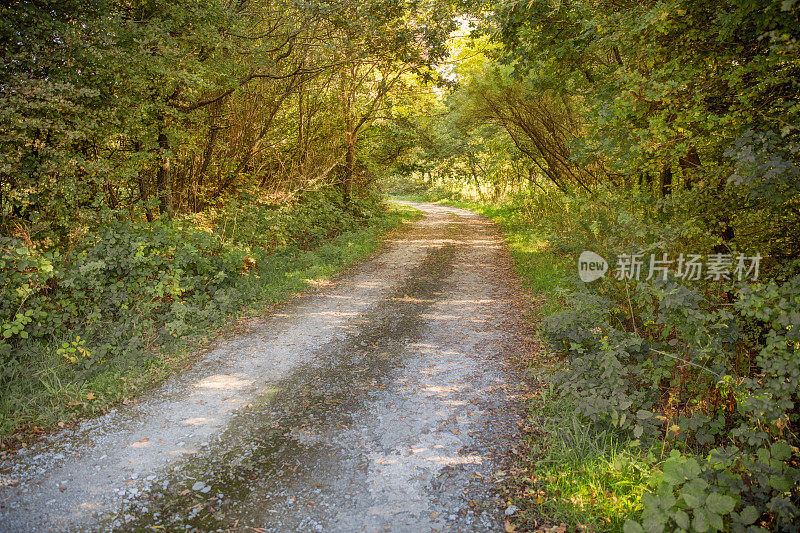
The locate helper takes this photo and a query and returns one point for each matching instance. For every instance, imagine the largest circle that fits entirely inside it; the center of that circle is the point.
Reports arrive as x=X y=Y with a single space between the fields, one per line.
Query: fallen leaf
x=90 y=396
x=509 y=527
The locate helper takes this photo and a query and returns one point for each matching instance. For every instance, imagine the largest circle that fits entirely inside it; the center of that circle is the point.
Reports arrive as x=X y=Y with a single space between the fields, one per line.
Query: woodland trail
x=384 y=400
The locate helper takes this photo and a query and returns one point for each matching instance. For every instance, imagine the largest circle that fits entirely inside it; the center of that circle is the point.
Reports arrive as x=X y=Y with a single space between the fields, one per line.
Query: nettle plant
x=716 y=383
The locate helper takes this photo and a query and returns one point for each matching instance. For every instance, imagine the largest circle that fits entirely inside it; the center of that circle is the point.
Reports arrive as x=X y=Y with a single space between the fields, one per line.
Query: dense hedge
x=127 y=288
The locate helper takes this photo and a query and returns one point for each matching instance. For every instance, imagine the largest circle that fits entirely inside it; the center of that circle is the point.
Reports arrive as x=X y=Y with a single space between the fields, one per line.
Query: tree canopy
x=146 y=108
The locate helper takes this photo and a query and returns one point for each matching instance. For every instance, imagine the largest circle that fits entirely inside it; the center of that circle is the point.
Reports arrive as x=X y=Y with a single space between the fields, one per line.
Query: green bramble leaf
x=632 y=526
x=720 y=503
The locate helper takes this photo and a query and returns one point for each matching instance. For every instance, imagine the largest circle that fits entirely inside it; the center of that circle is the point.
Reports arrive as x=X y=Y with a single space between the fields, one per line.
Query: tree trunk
x=145 y=194
x=665 y=180
x=688 y=163
x=144 y=190
x=349 y=168
x=163 y=176
x=301 y=153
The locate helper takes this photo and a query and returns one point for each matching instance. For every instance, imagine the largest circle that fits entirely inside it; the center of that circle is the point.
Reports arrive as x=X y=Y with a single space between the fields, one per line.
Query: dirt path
x=384 y=401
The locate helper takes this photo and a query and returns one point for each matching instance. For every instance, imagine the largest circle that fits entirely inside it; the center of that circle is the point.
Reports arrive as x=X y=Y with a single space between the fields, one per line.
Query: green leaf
x=693 y=499
x=720 y=503
x=682 y=519
x=632 y=527
x=715 y=521
x=673 y=473
x=691 y=469
x=700 y=522
x=655 y=523
x=780 y=483
x=749 y=515
x=781 y=451
x=763 y=455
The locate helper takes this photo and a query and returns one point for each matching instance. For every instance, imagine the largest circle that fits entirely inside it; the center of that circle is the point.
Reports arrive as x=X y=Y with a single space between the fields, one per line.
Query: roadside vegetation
x=667 y=399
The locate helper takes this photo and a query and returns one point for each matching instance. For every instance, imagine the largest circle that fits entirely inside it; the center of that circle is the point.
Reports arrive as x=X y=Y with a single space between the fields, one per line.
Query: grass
x=51 y=397
x=568 y=473
x=578 y=475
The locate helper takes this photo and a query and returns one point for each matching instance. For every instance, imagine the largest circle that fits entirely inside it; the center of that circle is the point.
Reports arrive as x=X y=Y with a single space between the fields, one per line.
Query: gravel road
x=382 y=401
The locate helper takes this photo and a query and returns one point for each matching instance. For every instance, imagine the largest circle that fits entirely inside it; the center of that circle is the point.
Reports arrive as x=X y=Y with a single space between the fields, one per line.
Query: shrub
x=708 y=371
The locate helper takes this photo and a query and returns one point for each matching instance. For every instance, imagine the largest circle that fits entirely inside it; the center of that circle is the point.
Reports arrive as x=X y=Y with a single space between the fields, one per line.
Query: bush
x=708 y=370
x=314 y=218
x=130 y=287
x=105 y=307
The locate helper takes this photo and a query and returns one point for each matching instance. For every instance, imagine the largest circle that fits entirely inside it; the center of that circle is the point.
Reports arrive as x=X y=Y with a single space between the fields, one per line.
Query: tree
x=147 y=108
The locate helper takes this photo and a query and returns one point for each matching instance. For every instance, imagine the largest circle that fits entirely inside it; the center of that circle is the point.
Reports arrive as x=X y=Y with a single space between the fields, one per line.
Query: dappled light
x=199 y=420
x=456 y=460
x=224 y=382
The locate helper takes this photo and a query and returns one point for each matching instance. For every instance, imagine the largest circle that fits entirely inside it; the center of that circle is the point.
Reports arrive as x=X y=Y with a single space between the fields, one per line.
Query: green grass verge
x=575 y=475
x=567 y=473
x=49 y=399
